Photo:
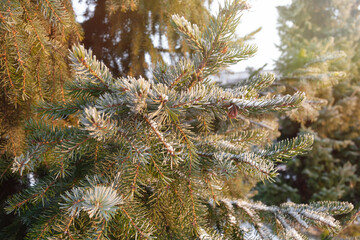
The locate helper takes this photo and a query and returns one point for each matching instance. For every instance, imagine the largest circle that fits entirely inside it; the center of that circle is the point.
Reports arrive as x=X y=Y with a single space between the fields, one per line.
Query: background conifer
x=318 y=39
x=130 y=37
x=34 y=38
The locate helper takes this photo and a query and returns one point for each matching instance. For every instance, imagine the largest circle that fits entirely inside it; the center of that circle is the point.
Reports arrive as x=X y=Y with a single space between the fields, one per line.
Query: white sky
x=80 y=8
x=263 y=13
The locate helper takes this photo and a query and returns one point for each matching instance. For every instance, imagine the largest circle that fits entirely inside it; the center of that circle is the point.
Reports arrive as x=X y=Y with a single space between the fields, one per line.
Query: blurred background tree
x=131 y=36
x=34 y=41
x=318 y=46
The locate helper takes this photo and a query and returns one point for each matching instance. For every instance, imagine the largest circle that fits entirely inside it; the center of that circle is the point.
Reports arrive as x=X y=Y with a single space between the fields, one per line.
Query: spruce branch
x=65 y=109
x=152 y=124
x=110 y=103
x=190 y=32
x=42 y=41
x=211 y=44
x=277 y=103
x=20 y=53
x=56 y=13
x=38 y=193
x=77 y=88
x=98 y=125
x=23 y=163
x=331 y=207
x=303 y=214
x=258 y=82
x=137 y=92
x=249 y=163
x=97 y=201
x=248 y=137
x=85 y=64
x=43 y=230
x=287 y=149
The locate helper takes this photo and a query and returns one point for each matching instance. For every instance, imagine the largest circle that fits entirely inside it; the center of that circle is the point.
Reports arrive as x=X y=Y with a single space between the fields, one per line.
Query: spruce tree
x=318 y=39
x=145 y=160
x=34 y=38
x=130 y=36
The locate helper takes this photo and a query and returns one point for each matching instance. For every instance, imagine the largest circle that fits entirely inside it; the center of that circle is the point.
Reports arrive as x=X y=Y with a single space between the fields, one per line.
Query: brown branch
x=54 y=12
x=192 y=195
x=7 y=68
x=31 y=23
x=62 y=165
x=167 y=146
x=46 y=225
x=14 y=32
x=177 y=80
x=101 y=230
x=193 y=204
x=207 y=181
x=38 y=78
x=132 y=222
x=35 y=195
x=84 y=63
x=133 y=187
x=67 y=229
x=178 y=196
x=53 y=80
x=62 y=88
x=77 y=145
x=7 y=168
x=157 y=168
x=185 y=139
x=196 y=76
x=185 y=103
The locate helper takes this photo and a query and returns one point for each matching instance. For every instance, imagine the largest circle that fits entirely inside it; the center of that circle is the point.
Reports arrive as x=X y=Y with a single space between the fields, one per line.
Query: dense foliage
x=144 y=158
x=34 y=41
x=318 y=39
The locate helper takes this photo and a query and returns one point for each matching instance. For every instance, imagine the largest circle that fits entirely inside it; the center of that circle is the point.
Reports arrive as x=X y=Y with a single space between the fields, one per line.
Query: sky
x=79 y=8
x=263 y=13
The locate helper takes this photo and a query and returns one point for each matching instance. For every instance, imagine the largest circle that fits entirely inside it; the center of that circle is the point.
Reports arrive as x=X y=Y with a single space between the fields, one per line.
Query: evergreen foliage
x=145 y=160
x=318 y=39
x=127 y=35
x=34 y=38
